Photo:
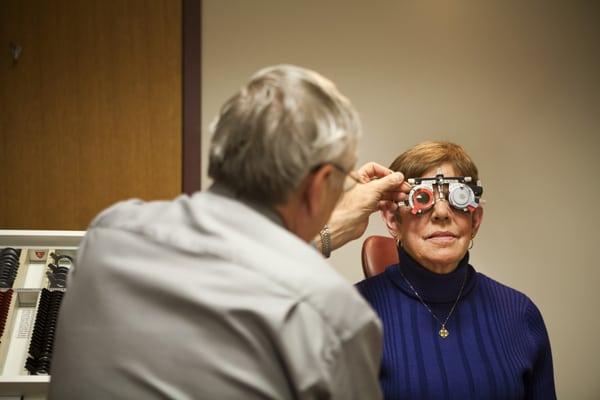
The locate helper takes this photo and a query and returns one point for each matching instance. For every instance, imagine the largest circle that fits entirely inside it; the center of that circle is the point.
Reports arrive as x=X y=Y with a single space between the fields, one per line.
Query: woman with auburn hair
x=451 y=332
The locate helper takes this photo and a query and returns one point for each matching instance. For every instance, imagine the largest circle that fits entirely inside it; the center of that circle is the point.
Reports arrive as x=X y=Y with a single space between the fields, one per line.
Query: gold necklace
x=443 y=330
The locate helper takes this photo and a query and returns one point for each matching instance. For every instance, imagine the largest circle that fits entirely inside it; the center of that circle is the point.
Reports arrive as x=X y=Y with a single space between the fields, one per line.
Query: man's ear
x=315 y=189
x=477 y=219
x=392 y=222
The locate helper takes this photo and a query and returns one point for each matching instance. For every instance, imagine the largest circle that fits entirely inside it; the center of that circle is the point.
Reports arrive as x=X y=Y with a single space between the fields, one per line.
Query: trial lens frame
x=462 y=193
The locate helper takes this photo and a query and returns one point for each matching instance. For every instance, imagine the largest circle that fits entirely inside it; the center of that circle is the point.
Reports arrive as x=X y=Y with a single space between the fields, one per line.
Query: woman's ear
x=392 y=221
x=476 y=221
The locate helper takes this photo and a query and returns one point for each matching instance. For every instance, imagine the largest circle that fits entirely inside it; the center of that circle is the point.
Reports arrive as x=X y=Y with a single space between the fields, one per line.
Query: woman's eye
x=422 y=198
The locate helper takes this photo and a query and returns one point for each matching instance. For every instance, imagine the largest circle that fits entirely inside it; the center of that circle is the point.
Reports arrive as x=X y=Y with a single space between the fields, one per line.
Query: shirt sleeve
x=323 y=363
x=539 y=383
x=356 y=370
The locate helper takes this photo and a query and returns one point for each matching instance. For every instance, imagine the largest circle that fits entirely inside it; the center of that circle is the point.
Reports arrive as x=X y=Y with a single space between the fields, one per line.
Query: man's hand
x=381 y=189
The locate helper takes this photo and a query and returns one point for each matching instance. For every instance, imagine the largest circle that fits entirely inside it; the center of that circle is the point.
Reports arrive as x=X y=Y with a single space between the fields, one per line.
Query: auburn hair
x=417 y=160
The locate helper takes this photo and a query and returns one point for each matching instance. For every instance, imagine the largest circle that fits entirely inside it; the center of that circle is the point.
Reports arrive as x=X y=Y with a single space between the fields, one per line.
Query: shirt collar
x=268 y=212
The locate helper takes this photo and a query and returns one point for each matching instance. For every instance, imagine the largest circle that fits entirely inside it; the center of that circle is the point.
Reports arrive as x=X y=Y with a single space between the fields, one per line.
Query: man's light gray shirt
x=204 y=297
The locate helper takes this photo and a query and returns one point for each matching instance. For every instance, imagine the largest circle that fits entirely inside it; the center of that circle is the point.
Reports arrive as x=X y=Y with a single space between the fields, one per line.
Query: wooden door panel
x=90 y=114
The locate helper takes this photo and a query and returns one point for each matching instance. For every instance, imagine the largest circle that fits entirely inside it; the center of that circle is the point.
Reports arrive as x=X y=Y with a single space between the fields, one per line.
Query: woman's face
x=437 y=239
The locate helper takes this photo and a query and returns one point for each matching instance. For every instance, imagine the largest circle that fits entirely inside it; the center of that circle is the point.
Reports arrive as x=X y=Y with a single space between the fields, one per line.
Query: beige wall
x=517 y=83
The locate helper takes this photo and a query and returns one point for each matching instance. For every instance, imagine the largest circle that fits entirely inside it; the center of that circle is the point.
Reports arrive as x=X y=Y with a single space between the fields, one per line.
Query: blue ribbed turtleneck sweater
x=498 y=347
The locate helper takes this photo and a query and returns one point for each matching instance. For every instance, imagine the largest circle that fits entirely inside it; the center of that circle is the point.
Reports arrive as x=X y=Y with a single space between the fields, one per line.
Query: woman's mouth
x=441 y=237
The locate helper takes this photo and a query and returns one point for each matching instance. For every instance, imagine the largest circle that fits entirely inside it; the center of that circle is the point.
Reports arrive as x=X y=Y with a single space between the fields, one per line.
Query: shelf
x=24 y=385
x=35 y=238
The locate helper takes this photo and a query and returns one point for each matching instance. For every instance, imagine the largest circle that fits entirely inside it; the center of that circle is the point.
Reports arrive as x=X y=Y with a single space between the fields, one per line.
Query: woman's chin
x=445 y=257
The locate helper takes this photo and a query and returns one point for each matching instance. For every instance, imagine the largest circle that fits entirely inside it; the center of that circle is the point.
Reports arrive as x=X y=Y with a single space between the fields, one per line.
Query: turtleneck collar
x=433 y=288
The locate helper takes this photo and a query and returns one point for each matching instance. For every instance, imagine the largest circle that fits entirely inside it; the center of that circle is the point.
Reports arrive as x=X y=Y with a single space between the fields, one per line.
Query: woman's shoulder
x=374 y=283
x=498 y=291
x=517 y=306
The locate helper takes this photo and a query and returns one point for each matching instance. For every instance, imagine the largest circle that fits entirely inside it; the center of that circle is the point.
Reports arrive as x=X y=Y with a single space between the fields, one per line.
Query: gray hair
x=284 y=123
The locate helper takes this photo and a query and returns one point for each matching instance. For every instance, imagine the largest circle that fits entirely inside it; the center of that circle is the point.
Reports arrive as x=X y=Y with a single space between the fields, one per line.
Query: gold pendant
x=444 y=332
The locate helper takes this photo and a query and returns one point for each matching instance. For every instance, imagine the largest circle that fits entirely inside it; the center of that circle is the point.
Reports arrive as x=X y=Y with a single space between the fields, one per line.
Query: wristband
x=325 y=242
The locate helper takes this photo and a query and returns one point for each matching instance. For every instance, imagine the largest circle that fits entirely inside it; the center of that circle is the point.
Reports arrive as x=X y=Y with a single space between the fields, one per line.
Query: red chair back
x=378 y=252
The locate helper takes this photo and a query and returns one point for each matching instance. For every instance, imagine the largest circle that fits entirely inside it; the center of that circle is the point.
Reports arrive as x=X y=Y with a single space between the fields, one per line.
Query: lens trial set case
x=34 y=271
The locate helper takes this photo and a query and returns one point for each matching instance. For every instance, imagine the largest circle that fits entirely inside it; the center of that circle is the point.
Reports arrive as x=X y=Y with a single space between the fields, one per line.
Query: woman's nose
x=441 y=210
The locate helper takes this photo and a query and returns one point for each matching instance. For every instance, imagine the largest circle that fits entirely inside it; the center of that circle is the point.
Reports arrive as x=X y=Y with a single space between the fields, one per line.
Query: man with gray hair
x=218 y=295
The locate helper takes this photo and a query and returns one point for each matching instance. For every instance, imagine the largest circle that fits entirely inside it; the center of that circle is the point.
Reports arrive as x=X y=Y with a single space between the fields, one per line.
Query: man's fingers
x=393 y=196
x=391 y=187
x=372 y=170
x=387 y=205
x=393 y=182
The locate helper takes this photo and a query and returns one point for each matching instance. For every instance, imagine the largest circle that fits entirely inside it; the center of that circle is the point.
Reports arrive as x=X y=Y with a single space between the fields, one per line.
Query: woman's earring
x=472 y=241
x=398 y=242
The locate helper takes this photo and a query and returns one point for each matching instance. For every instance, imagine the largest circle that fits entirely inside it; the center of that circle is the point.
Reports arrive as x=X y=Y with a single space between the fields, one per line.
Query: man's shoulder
x=182 y=224
x=132 y=211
